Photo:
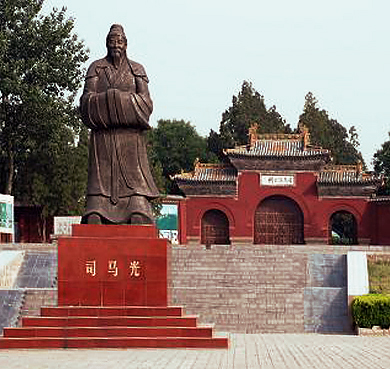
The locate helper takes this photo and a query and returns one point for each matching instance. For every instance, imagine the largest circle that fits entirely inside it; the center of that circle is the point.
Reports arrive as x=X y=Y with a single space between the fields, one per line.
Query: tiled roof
x=347 y=175
x=209 y=173
x=380 y=199
x=279 y=148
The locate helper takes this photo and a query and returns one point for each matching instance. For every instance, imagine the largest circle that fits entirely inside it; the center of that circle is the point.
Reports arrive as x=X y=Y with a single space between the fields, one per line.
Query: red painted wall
x=380 y=222
x=317 y=212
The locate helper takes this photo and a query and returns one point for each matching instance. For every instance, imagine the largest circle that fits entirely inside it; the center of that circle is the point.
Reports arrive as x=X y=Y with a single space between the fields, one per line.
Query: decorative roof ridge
x=279 y=136
x=199 y=165
x=209 y=172
x=348 y=174
x=278 y=145
x=303 y=135
x=358 y=168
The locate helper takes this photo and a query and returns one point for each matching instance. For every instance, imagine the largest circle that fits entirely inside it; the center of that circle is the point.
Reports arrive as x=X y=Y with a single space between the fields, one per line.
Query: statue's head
x=116 y=43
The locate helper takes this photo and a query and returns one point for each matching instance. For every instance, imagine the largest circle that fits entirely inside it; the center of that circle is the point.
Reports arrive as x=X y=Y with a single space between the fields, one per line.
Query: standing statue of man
x=116 y=106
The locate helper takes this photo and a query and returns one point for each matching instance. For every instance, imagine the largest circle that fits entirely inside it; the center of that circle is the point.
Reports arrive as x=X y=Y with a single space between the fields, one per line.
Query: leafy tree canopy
x=175 y=145
x=247 y=108
x=330 y=134
x=40 y=72
x=382 y=165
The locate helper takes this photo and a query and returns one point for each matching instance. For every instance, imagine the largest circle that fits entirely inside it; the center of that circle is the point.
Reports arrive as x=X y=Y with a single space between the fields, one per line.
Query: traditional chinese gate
x=278 y=221
x=215 y=228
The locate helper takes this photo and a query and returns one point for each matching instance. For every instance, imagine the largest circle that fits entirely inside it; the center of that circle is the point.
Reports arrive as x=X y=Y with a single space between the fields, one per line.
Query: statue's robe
x=116 y=106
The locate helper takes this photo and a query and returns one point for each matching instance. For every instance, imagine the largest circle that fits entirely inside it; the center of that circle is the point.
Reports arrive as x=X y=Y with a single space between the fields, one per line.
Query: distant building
x=280 y=189
x=32 y=226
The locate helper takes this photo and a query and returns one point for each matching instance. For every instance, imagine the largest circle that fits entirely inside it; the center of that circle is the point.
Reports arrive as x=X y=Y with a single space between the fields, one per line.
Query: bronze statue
x=116 y=105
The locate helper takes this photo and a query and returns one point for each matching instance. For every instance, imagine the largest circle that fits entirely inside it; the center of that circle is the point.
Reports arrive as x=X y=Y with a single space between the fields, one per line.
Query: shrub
x=370 y=310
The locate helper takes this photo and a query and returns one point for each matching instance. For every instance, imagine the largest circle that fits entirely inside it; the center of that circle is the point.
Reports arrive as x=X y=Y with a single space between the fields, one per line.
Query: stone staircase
x=111 y=327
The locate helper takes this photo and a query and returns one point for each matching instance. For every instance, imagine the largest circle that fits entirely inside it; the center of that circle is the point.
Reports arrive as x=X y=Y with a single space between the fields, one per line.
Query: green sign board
x=6 y=214
x=167 y=223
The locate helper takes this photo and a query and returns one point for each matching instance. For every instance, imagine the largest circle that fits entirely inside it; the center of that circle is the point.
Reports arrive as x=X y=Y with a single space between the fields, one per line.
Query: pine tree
x=330 y=134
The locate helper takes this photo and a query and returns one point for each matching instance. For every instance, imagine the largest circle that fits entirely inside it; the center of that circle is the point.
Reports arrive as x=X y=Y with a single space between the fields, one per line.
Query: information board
x=7 y=214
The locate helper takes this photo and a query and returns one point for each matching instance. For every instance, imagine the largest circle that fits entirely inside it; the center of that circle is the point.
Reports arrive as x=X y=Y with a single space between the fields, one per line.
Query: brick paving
x=247 y=351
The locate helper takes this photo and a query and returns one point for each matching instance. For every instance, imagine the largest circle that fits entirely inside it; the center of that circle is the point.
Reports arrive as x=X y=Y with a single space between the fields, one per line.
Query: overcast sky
x=198 y=53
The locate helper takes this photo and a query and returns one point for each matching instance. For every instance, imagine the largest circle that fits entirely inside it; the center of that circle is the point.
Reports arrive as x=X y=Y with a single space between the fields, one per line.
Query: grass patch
x=379 y=273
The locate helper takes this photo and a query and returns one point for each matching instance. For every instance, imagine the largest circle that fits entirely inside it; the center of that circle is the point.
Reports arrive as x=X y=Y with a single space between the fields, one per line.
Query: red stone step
x=110 y=327
x=98 y=230
x=68 y=311
x=121 y=321
x=117 y=342
x=58 y=332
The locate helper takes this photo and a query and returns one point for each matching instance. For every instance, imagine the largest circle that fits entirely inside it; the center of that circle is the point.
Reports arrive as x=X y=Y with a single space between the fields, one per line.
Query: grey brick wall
x=253 y=288
x=246 y=288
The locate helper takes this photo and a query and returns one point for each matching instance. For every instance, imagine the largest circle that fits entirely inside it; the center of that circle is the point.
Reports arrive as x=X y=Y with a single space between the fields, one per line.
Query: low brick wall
x=246 y=288
x=262 y=289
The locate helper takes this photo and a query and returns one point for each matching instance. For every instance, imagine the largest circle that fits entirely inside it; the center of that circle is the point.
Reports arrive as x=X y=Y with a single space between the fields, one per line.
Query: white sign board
x=357 y=273
x=63 y=225
x=7 y=214
x=277 y=180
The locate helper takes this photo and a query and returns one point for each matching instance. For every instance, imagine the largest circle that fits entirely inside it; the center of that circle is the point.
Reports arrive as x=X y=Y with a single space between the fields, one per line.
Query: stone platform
x=112 y=293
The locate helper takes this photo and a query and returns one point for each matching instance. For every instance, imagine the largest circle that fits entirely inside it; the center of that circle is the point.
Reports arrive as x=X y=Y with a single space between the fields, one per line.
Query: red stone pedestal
x=112 y=266
x=112 y=292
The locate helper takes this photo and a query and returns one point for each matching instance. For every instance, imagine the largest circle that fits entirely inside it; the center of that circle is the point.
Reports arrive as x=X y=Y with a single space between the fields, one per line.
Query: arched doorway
x=215 y=228
x=342 y=228
x=278 y=221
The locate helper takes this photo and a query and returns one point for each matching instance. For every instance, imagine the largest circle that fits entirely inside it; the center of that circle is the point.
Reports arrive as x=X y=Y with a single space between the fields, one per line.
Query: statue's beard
x=117 y=56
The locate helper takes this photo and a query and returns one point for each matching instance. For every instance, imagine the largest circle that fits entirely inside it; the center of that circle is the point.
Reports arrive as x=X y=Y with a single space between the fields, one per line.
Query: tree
x=175 y=146
x=58 y=179
x=330 y=134
x=40 y=72
x=247 y=108
x=382 y=165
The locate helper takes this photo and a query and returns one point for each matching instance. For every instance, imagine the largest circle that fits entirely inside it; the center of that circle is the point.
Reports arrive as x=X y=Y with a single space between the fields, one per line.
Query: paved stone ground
x=247 y=351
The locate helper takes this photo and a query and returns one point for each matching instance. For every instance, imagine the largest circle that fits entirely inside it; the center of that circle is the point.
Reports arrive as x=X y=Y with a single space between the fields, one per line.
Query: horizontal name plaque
x=277 y=180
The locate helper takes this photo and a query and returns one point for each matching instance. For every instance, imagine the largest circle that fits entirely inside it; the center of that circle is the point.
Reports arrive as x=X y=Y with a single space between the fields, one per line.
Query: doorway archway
x=343 y=228
x=215 y=228
x=278 y=221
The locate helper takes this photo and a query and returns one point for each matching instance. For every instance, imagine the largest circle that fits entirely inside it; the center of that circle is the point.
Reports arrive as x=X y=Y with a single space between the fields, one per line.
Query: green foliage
x=330 y=134
x=370 y=310
x=379 y=275
x=175 y=145
x=40 y=72
x=382 y=165
x=247 y=108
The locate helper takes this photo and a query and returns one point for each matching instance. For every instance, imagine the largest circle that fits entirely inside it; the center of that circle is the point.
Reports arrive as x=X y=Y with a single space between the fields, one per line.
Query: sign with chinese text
x=113 y=269
x=63 y=225
x=6 y=214
x=277 y=180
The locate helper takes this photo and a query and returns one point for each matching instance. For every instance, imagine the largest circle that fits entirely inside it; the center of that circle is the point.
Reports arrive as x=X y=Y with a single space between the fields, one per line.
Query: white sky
x=198 y=53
